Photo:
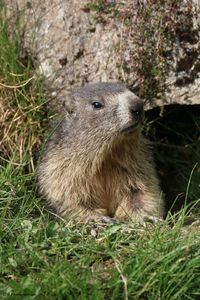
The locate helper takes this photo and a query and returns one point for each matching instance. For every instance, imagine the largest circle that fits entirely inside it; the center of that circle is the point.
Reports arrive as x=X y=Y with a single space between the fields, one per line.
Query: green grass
x=45 y=258
x=42 y=258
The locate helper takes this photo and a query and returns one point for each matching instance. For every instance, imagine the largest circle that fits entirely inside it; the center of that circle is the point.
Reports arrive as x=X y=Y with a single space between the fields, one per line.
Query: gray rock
x=71 y=47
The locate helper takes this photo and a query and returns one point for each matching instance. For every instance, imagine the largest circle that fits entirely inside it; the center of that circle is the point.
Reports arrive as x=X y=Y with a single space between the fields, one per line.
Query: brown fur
x=93 y=167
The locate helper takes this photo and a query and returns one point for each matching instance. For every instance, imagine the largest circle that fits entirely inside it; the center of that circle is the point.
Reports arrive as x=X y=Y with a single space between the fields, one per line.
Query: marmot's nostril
x=136 y=110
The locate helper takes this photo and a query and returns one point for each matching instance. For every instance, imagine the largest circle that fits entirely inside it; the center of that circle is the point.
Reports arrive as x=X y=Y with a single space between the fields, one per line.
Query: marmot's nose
x=136 y=110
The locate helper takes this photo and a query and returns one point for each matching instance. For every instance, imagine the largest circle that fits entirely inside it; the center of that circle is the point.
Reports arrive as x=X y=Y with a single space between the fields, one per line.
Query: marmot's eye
x=97 y=105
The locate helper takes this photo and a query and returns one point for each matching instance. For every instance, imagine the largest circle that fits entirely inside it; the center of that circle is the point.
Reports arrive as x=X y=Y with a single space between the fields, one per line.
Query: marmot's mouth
x=131 y=128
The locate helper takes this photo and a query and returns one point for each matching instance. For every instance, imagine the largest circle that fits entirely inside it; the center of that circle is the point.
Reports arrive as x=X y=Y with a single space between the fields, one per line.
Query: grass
x=44 y=258
x=21 y=98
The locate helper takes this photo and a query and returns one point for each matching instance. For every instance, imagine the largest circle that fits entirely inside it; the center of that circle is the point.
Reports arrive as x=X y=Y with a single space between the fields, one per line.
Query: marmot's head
x=108 y=108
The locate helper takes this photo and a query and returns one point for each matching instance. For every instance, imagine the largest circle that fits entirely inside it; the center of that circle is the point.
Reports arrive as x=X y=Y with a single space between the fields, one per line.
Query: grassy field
x=45 y=258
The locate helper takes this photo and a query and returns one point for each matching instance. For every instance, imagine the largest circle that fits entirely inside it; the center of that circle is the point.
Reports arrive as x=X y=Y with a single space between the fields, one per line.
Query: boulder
x=153 y=46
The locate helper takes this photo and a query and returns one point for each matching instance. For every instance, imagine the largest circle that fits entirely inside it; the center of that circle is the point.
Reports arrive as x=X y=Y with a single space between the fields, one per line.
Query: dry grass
x=21 y=101
x=20 y=127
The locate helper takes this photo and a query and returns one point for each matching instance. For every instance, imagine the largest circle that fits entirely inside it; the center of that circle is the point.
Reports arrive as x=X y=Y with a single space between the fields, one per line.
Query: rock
x=75 y=42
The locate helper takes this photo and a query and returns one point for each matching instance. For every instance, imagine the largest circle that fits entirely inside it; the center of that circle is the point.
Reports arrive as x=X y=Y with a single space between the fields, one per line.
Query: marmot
x=97 y=165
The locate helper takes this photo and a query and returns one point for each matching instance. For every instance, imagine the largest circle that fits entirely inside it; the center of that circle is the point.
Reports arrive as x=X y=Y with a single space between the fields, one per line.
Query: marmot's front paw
x=153 y=219
x=102 y=219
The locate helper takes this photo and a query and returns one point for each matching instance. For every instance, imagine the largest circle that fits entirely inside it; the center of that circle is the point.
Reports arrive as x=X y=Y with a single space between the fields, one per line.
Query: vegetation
x=21 y=99
x=45 y=258
x=149 y=31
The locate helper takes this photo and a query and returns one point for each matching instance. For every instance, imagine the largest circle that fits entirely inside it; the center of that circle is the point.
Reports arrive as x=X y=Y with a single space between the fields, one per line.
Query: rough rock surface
x=70 y=47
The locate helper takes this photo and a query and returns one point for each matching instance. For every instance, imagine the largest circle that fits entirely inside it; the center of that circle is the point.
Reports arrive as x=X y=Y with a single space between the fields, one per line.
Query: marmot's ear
x=69 y=104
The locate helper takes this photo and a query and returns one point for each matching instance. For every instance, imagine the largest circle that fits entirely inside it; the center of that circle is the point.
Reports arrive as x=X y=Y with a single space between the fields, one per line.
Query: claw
x=103 y=219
